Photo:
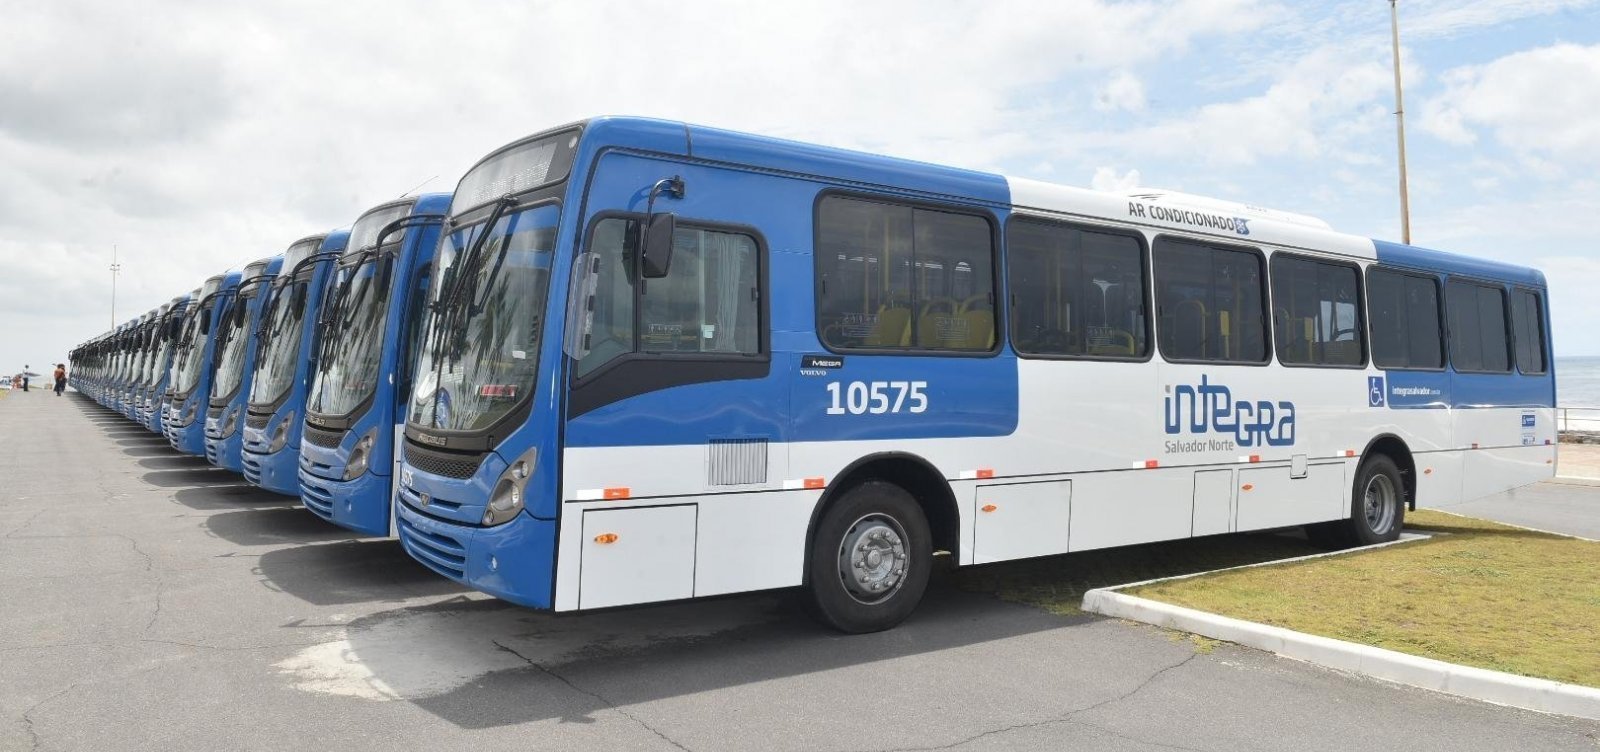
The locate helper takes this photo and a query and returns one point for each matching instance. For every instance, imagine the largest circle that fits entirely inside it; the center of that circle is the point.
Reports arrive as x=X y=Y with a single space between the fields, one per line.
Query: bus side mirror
x=657 y=256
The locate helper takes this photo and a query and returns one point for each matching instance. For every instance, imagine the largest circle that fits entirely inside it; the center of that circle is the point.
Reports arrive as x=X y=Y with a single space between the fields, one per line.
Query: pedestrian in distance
x=25 y=368
x=61 y=378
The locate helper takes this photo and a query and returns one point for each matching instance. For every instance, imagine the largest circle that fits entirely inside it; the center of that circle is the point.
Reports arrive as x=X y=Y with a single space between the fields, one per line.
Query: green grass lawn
x=1479 y=594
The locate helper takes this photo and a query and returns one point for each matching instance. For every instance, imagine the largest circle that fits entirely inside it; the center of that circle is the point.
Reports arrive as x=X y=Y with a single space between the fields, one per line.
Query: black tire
x=1377 y=508
x=902 y=541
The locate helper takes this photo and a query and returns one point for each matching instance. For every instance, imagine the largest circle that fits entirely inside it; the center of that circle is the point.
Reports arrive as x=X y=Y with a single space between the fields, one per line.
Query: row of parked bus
x=631 y=360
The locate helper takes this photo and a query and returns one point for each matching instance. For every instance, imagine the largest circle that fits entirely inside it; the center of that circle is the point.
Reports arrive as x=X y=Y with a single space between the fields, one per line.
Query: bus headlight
x=231 y=424
x=504 y=503
x=507 y=499
x=359 y=456
x=281 y=436
x=189 y=412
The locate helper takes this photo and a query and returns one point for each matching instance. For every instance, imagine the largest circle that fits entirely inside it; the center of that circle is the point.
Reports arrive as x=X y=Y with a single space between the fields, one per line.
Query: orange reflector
x=1149 y=464
x=1248 y=487
x=1549 y=462
x=622 y=492
x=605 y=538
x=984 y=472
x=1474 y=445
x=815 y=482
x=989 y=507
x=1255 y=458
x=1427 y=471
x=1349 y=452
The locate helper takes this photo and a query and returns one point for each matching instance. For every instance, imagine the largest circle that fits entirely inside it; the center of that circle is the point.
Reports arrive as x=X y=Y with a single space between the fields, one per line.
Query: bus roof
x=1156 y=209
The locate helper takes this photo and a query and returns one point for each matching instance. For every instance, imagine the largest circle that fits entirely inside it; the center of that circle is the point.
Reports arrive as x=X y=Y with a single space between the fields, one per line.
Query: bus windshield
x=233 y=339
x=186 y=372
x=357 y=311
x=280 y=349
x=480 y=351
x=347 y=372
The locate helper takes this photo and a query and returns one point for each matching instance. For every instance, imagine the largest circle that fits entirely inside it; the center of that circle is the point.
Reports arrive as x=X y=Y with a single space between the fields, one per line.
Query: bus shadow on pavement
x=352 y=571
x=482 y=663
x=231 y=497
x=172 y=461
x=160 y=449
x=189 y=477
x=273 y=525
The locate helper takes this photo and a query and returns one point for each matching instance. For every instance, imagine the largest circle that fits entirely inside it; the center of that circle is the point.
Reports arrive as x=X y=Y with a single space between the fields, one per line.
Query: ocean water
x=1578 y=382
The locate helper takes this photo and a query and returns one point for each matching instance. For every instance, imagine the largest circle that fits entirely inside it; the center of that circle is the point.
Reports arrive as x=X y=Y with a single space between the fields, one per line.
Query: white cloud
x=1108 y=179
x=1542 y=103
x=199 y=136
x=1123 y=92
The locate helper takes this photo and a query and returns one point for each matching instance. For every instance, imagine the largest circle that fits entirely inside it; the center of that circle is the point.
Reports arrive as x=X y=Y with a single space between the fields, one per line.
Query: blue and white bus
x=236 y=348
x=190 y=382
x=687 y=362
x=362 y=382
x=285 y=362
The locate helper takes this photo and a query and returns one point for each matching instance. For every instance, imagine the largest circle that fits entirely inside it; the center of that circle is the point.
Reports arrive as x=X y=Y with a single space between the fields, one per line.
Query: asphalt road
x=151 y=602
x=1565 y=505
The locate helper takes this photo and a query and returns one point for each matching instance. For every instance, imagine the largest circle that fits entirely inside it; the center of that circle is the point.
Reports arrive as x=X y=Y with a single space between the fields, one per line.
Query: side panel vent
x=737 y=462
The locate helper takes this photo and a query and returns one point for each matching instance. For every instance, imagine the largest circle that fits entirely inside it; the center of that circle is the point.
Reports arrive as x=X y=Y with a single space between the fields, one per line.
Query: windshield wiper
x=450 y=306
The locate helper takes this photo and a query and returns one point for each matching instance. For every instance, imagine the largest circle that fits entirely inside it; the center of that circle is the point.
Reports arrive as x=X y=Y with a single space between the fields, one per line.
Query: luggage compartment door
x=637 y=555
x=1019 y=520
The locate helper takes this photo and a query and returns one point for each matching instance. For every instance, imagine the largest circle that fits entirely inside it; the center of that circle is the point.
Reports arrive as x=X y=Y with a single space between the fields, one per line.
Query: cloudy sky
x=195 y=135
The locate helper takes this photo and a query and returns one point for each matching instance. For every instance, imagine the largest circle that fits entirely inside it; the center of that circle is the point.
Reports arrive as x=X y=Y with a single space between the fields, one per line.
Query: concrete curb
x=1496 y=687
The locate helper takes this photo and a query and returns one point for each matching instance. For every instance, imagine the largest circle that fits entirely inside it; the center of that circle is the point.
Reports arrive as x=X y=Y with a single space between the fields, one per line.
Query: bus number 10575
x=877 y=397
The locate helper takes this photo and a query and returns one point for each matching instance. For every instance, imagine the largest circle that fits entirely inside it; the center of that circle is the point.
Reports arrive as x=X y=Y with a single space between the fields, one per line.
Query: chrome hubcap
x=1380 y=503
x=872 y=558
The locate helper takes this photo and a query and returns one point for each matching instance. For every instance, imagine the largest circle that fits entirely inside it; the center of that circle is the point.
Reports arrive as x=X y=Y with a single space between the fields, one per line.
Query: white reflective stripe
x=794 y=484
x=591 y=494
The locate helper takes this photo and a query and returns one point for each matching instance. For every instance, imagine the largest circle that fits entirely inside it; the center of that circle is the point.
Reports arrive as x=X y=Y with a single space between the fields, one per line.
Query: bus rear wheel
x=1377 y=508
x=870 y=559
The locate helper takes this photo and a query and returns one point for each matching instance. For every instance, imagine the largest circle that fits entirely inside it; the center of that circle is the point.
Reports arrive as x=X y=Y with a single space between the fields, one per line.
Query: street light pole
x=1400 y=125
x=115 y=267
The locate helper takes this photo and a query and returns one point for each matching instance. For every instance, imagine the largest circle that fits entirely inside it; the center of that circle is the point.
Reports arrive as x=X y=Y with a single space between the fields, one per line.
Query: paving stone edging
x=1496 y=687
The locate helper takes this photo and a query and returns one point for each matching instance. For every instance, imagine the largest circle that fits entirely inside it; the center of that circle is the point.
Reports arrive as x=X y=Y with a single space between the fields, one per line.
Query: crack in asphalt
x=27 y=715
x=1069 y=719
x=596 y=695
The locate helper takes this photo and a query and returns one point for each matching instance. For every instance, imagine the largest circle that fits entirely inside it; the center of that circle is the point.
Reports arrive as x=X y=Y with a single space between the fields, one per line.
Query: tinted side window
x=1404 y=311
x=1478 y=328
x=892 y=277
x=1209 y=302
x=1527 y=320
x=708 y=302
x=1316 y=312
x=1076 y=291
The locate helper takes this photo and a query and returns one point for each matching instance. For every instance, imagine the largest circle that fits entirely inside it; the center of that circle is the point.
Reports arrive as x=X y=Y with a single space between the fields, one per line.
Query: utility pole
x=1400 y=125
x=115 y=267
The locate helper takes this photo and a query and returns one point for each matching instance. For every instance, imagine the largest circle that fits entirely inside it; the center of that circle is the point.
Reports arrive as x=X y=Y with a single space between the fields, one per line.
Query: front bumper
x=514 y=561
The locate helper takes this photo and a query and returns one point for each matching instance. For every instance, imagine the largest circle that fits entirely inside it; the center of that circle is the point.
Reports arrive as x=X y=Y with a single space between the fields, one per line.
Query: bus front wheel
x=870 y=559
x=1377 y=508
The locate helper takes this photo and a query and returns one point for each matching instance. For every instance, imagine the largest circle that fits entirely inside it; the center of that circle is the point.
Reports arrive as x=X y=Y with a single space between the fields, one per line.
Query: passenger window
x=1210 y=303
x=1404 y=311
x=1478 y=328
x=1316 y=313
x=897 y=277
x=1076 y=292
x=1527 y=319
x=707 y=304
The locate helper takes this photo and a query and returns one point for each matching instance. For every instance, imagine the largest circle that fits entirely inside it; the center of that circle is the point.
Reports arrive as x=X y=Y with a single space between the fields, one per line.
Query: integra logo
x=1209 y=408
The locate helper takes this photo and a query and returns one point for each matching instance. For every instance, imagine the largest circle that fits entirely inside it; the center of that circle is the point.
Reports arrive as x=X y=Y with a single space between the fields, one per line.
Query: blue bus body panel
x=1450 y=388
x=279 y=472
x=190 y=439
x=364 y=503
x=226 y=451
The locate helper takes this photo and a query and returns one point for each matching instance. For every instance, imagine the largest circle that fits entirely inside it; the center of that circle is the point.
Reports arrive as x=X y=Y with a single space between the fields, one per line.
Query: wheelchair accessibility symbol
x=1374 y=391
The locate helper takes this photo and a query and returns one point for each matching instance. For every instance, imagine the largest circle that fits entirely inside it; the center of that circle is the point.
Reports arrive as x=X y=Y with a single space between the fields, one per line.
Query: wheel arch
x=1395 y=448
x=911 y=472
